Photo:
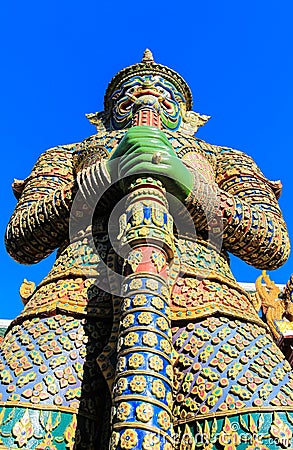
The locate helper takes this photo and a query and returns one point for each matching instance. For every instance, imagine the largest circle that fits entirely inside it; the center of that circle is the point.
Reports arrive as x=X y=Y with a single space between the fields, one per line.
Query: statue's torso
x=204 y=283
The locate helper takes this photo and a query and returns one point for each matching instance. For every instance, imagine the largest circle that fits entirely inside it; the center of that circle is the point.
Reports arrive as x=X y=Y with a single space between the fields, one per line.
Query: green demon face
x=146 y=92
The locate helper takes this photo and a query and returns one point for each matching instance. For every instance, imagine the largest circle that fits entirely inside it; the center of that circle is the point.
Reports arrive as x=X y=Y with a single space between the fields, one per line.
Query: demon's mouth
x=149 y=97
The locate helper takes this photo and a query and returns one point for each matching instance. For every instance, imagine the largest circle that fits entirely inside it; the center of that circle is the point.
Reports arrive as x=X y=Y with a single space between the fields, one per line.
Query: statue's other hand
x=139 y=135
x=146 y=151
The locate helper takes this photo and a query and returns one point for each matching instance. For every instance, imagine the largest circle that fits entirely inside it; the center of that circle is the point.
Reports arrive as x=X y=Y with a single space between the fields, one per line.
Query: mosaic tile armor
x=182 y=355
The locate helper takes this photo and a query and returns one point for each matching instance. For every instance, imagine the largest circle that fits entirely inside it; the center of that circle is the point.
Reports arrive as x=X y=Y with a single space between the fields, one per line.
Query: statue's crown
x=145 y=67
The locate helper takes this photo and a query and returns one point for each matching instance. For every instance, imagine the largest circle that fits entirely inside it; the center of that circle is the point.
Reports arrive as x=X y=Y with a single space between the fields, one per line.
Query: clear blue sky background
x=58 y=57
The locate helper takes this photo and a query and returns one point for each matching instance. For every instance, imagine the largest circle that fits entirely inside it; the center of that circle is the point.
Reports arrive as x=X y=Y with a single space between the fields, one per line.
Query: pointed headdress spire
x=147 y=56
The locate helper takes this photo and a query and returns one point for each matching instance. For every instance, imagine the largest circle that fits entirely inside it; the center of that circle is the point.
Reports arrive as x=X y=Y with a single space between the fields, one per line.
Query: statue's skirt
x=233 y=388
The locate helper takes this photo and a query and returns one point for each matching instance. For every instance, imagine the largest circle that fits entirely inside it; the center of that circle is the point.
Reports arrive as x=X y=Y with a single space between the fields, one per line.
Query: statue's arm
x=39 y=222
x=247 y=211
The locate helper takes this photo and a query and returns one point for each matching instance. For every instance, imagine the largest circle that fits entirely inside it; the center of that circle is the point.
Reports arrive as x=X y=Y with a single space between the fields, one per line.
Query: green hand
x=147 y=151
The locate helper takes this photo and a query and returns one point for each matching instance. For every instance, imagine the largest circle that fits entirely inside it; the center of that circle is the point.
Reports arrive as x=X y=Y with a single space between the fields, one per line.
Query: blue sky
x=58 y=57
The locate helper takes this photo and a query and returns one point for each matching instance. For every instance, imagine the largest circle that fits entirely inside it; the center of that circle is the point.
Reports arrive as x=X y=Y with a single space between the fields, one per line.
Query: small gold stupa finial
x=147 y=56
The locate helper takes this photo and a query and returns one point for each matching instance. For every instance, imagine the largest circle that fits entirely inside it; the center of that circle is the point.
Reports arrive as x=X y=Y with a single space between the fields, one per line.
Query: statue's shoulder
x=232 y=162
x=59 y=152
x=53 y=158
x=55 y=161
x=229 y=152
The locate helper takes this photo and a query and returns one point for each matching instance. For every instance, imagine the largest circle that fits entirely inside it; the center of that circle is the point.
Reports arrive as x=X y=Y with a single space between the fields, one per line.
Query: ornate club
x=142 y=394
